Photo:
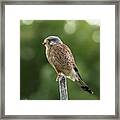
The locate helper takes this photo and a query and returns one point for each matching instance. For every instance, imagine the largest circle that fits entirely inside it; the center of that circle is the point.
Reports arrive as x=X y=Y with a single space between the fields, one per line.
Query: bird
x=61 y=58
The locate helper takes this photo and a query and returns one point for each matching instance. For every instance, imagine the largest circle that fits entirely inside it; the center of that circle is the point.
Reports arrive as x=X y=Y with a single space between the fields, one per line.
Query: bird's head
x=51 y=40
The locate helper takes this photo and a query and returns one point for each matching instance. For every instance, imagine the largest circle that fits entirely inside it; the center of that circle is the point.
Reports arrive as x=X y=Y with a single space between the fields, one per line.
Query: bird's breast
x=50 y=56
x=60 y=58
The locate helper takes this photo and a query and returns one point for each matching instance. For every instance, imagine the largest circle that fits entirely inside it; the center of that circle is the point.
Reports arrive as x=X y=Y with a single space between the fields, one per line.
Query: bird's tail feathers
x=83 y=85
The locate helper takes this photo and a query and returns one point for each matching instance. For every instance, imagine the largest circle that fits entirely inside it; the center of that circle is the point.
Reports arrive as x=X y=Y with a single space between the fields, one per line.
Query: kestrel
x=60 y=57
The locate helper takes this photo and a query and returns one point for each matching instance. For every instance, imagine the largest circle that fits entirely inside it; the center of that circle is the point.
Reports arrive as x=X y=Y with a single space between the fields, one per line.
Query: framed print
x=60 y=59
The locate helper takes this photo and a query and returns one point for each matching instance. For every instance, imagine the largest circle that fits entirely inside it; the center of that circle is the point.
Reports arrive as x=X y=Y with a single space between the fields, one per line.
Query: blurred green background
x=38 y=78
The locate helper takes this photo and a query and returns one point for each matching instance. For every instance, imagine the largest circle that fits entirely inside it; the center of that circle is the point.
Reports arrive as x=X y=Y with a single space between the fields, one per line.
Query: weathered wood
x=62 y=87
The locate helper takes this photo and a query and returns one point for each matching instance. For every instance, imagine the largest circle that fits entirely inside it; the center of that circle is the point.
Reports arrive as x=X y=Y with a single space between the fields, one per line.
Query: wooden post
x=62 y=87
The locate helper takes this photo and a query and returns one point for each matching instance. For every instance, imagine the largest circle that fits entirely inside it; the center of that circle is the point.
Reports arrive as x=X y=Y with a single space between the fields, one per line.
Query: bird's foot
x=59 y=76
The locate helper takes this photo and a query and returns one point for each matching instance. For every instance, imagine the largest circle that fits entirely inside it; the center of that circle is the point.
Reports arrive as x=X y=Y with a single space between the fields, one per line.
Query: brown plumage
x=61 y=58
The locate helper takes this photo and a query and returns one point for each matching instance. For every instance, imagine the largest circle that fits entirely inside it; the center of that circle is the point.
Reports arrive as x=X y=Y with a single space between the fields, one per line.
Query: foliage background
x=37 y=77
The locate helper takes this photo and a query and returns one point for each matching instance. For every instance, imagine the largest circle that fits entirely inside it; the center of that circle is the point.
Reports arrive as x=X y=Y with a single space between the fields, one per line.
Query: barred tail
x=82 y=83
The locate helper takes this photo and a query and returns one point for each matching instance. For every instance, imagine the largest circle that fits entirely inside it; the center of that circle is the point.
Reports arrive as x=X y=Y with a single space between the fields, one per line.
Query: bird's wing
x=63 y=61
x=61 y=57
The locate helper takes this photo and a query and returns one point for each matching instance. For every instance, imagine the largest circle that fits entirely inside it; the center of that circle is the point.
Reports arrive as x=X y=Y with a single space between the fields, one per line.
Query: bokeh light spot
x=93 y=22
x=96 y=36
x=27 y=22
x=70 y=27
